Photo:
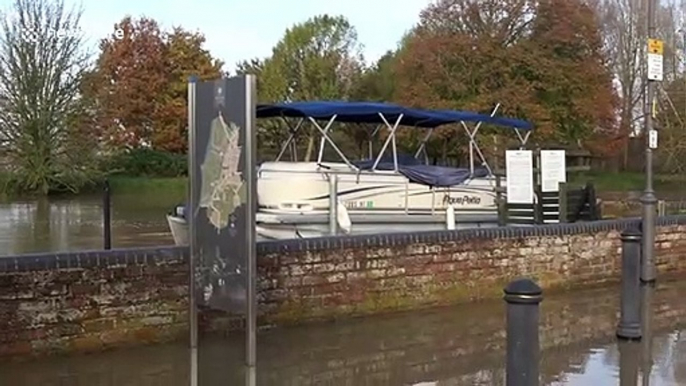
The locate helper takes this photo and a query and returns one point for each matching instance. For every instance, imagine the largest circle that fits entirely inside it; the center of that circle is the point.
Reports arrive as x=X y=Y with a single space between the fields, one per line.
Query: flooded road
x=456 y=346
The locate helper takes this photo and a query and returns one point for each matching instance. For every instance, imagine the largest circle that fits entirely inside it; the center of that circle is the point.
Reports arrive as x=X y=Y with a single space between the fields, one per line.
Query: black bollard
x=629 y=326
x=107 y=225
x=523 y=297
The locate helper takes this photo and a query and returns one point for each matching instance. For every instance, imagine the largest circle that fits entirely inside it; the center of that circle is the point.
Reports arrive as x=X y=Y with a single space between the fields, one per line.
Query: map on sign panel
x=222 y=188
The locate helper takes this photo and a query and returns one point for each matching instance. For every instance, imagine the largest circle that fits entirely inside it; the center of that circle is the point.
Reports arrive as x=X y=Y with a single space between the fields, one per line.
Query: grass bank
x=176 y=187
x=626 y=182
x=148 y=185
x=603 y=181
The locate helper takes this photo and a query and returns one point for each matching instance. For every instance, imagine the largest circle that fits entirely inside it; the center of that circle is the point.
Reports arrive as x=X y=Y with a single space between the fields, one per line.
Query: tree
x=319 y=59
x=185 y=56
x=140 y=84
x=378 y=82
x=42 y=59
x=129 y=77
x=623 y=25
x=575 y=77
x=455 y=60
x=505 y=21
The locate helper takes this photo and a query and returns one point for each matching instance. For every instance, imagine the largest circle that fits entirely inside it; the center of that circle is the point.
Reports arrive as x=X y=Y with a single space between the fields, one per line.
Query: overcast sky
x=244 y=29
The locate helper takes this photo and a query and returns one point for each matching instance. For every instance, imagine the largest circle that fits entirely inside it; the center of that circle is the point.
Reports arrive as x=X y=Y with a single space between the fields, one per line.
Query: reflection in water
x=454 y=346
x=68 y=224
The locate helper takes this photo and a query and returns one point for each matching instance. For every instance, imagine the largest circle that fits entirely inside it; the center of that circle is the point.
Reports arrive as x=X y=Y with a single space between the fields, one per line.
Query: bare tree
x=623 y=23
x=42 y=60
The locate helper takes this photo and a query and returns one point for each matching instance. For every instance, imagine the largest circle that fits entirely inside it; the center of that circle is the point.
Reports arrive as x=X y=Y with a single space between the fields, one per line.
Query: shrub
x=148 y=163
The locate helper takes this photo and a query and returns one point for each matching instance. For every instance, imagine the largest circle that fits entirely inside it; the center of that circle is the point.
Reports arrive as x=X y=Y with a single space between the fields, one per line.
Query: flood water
x=461 y=345
x=76 y=223
x=138 y=220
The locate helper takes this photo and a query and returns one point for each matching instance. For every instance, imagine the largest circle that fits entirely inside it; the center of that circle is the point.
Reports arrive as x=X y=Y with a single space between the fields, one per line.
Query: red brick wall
x=360 y=277
x=90 y=300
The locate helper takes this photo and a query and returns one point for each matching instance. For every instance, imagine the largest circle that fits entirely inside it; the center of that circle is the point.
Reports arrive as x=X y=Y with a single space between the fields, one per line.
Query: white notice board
x=520 y=176
x=553 y=170
x=655 y=67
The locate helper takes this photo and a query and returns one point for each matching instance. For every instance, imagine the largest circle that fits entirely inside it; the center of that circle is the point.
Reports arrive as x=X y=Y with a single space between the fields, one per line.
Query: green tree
x=378 y=82
x=319 y=59
x=42 y=59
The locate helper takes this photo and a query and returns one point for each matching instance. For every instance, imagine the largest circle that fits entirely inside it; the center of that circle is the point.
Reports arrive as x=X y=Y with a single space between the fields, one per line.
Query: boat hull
x=271 y=226
x=179 y=229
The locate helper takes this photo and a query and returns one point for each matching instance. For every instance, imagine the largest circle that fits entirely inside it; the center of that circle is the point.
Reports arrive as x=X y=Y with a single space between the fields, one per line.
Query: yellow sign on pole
x=655 y=46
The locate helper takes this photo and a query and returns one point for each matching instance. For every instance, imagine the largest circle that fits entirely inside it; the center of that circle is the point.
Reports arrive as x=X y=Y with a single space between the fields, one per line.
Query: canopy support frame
x=371 y=138
x=391 y=137
x=293 y=132
x=474 y=146
x=325 y=137
x=422 y=145
x=522 y=140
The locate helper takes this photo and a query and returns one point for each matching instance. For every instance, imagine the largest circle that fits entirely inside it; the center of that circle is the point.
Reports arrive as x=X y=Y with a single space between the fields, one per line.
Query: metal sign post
x=648 y=199
x=222 y=203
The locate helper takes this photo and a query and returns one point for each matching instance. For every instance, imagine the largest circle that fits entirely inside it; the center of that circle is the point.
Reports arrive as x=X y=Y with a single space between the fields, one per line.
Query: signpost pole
x=648 y=199
x=249 y=170
x=192 y=301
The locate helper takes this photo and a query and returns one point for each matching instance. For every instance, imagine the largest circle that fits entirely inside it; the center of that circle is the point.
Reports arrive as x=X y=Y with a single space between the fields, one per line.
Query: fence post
x=107 y=223
x=592 y=207
x=629 y=326
x=523 y=298
x=562 y=202
x=500 y=202
x=538 y=205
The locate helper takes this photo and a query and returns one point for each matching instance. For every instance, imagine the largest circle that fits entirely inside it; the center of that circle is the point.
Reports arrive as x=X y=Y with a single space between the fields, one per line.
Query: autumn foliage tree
x=138 y=87
x=575 y=78
x=541 y=60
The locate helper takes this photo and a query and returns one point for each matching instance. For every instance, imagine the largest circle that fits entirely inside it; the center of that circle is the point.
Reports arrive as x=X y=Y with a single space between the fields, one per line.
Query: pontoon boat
x=385 y=193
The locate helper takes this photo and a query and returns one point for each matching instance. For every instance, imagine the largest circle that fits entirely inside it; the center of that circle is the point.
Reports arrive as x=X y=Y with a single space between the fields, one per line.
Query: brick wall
x=92 y=300
x=86 y=301
x=324 y=278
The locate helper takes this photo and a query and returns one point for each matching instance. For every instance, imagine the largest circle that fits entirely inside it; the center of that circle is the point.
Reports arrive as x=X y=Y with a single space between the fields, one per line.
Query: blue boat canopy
x=370 y=112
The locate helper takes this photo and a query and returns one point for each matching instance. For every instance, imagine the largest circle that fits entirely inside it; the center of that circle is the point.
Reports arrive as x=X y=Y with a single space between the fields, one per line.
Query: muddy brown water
x=455 y=346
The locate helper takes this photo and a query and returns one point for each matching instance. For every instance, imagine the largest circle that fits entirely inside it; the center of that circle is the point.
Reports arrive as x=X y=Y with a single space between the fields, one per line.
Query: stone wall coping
x=123 y=257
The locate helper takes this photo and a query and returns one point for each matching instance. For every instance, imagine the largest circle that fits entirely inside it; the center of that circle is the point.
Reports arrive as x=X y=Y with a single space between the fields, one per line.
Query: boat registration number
x=358 y=204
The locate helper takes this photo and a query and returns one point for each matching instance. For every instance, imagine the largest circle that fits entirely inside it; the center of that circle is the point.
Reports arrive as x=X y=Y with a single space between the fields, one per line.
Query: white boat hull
x=304 y=187
x=279 y=227
x=179 y=229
